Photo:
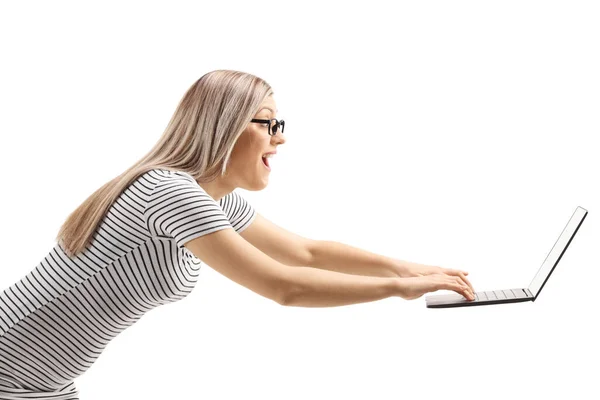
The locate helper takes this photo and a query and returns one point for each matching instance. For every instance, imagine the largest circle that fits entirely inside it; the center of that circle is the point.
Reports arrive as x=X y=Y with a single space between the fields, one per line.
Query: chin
x=263 y=186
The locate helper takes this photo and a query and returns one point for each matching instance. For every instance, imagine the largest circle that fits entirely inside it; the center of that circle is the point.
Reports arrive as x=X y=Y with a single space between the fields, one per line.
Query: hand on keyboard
x=407 y=269
x=414 y=287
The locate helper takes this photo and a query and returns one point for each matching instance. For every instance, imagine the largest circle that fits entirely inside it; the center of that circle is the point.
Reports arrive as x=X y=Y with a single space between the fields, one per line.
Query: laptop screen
x=557 y=251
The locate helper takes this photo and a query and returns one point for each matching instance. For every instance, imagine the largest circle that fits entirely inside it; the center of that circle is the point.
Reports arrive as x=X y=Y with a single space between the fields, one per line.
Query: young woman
x=139 y=240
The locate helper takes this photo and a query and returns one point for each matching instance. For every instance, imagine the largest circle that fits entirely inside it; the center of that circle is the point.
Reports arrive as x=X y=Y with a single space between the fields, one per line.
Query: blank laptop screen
x=557 y=251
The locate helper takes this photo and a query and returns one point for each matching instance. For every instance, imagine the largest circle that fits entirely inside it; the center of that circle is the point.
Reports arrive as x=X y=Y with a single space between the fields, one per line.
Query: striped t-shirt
x=58 y=318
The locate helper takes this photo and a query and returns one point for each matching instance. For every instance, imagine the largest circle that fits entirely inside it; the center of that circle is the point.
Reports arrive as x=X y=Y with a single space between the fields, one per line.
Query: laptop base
x=482 y=298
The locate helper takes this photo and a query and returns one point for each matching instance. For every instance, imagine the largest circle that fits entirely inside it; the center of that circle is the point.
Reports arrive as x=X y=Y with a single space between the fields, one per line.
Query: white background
x=460 y=134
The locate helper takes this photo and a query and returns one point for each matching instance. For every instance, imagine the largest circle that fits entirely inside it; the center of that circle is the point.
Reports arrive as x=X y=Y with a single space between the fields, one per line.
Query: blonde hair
x=198 y=140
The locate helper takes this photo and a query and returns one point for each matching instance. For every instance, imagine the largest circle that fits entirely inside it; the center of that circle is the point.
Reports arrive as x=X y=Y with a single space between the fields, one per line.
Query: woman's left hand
x=407 y=269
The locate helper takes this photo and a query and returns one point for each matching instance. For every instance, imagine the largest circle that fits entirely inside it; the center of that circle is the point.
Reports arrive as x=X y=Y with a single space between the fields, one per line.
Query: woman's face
x=246 y=163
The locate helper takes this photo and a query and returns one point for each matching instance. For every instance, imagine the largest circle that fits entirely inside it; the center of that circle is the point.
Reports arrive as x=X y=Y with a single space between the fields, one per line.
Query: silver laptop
x=521 y=294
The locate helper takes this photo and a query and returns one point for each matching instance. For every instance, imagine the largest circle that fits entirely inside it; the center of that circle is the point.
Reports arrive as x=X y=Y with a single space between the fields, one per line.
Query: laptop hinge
x=527 y=292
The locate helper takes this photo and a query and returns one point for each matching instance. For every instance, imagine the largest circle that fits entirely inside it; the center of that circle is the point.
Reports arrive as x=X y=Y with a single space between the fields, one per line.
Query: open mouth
x=265 y=161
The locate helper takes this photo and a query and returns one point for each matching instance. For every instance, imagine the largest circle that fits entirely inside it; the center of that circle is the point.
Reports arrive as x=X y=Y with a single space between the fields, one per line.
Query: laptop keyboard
x=495 y=295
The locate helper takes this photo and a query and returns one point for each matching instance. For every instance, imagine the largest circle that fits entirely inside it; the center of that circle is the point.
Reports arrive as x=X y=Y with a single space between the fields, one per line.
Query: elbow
x=309 y=252
x=283 y=295
x=288 y=290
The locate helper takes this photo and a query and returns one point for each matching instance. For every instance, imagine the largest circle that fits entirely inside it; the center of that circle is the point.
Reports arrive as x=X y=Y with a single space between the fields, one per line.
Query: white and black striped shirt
x=58 y=318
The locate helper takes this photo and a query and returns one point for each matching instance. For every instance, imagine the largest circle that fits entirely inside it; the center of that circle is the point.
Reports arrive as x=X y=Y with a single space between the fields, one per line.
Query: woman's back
x=56 y=320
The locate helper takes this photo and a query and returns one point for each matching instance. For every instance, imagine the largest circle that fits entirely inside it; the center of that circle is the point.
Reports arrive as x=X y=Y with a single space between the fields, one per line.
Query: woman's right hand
x=416 y=286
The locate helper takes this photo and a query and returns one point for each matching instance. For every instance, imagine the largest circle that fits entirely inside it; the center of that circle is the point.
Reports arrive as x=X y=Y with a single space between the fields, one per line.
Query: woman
x=139 y=240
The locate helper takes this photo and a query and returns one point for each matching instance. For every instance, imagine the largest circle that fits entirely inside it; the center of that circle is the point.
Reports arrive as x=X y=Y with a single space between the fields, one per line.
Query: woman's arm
x=232 y=256
x=339 y=257
x=311 y=287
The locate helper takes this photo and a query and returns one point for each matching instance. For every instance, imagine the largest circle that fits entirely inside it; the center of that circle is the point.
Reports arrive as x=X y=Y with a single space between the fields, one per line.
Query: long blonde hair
x=198 y=140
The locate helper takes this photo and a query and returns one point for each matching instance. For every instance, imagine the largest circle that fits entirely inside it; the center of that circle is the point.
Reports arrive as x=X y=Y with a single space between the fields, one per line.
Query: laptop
x=520 y=294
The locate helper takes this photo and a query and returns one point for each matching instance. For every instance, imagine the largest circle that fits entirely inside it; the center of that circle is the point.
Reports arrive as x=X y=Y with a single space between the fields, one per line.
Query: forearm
x=339 y=257
x=311 y=287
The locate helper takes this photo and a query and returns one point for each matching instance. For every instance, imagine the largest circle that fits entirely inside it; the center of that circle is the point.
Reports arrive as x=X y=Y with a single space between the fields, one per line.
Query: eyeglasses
x=275 y=124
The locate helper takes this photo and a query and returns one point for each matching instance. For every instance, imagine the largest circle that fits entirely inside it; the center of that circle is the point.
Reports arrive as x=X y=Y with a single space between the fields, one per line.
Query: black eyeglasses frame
x=272 y=128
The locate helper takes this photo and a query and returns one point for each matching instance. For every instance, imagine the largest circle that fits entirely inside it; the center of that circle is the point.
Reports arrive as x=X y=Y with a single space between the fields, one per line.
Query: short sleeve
x=180 y=209
x=239 y=211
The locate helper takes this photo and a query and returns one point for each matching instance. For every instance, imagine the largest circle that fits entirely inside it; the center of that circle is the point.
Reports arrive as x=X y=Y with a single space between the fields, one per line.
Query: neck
x=215 y=189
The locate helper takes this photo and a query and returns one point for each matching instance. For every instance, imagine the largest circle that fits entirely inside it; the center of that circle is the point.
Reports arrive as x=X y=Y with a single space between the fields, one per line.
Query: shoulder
x=164 y=176
x=172 y=186
x=169 y=173
x=168 y=177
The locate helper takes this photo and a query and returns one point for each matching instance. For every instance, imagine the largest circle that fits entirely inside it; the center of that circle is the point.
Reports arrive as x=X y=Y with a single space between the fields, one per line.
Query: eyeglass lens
x=275 y=127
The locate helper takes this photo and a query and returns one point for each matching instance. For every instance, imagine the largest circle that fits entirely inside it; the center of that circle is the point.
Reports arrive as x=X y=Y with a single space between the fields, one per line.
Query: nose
x=278 y=137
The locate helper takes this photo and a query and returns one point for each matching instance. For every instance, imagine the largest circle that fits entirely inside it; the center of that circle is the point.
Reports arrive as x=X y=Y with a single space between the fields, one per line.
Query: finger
x=468 y=293
x=462 y=289
x=460 y=274
x=464 y=278
x=452 y=284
